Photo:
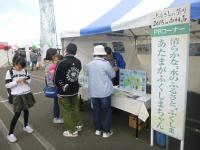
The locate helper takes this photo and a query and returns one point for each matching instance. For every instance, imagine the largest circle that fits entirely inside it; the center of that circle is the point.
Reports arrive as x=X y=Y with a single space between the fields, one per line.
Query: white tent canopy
x=89 y=17
x=77 y=20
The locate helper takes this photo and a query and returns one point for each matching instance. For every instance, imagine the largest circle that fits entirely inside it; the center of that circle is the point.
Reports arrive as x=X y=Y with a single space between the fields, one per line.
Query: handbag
x=49 y=91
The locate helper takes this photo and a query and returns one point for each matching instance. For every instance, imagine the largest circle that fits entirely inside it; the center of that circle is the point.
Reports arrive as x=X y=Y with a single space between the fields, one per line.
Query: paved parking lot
x=48 y=136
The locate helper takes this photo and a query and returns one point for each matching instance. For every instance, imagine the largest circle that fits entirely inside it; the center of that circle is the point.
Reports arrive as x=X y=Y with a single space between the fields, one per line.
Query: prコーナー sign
x=170 y=44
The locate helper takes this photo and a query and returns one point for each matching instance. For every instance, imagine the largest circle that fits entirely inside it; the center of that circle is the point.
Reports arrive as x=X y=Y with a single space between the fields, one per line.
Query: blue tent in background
x=89 y=17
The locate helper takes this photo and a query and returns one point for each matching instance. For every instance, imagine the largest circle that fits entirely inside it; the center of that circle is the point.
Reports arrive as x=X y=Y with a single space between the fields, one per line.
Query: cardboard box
x=132 y=122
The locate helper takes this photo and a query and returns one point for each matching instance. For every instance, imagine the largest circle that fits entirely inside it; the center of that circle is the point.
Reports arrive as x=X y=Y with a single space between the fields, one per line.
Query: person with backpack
x=18 y=81
x=53 y=58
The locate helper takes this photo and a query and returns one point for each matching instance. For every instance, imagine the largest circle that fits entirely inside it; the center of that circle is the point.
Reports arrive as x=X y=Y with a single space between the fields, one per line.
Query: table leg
x=149 y=120
x=137 y=121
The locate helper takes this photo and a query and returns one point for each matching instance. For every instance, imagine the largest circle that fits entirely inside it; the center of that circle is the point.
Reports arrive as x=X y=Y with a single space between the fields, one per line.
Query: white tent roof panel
x=89 y=17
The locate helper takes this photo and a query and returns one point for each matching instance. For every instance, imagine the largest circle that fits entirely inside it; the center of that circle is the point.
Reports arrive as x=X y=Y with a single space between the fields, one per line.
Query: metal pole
x=182 y=145
x=167 y=142
x=152 y=137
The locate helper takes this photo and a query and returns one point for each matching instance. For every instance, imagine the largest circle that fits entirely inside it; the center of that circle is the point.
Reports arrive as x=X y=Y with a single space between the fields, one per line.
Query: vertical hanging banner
x=47 y=26
x=170 y=54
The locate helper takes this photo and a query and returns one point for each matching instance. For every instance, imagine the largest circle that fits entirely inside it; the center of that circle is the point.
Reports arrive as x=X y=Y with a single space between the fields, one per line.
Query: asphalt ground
x=48 y=136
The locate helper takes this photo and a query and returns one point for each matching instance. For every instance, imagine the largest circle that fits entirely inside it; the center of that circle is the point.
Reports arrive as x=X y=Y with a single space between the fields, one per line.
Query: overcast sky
x=19 y=21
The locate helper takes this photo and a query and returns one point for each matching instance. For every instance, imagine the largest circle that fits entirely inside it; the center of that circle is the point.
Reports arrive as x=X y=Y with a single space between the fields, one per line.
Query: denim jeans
x=102 y=113
x=33 y=63
x=56 y=109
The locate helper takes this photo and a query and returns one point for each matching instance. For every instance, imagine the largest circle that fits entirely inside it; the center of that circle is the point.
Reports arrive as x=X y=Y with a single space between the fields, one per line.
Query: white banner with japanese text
x=170 y=54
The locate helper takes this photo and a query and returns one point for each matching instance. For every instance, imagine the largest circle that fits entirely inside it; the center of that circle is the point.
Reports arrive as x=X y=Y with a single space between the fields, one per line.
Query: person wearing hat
x=66 y=80
x=100 y=74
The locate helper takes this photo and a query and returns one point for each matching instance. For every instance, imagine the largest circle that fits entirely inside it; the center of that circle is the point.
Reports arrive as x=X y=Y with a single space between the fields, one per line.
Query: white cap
x=99 y=50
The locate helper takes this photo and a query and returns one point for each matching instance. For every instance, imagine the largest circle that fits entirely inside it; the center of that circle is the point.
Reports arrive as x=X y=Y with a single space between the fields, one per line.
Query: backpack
x=50 y=92
x=10 y=96
x=34 y=57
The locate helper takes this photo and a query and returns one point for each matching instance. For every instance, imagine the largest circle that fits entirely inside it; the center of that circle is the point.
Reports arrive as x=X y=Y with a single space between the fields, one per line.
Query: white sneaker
x=97 y=132
x=69 y=134
x=107 y=134
x=61 y=120
x=11 y=138
x=58 y=120
x=28 y=129
x=79 y=128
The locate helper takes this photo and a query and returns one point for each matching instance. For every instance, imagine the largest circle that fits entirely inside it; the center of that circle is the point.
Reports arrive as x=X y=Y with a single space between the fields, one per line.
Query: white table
x=121 y=100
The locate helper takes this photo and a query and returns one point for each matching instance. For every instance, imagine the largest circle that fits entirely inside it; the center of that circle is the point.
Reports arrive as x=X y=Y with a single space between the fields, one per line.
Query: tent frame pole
x=182 y=145
x=152 y=137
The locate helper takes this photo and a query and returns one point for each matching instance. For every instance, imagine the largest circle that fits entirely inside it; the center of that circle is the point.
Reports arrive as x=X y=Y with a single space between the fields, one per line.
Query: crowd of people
x=33 y=57
x=62 y=73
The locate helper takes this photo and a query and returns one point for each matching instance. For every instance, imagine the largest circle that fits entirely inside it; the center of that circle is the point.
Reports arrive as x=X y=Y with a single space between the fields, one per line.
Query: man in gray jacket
x=100 y=74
